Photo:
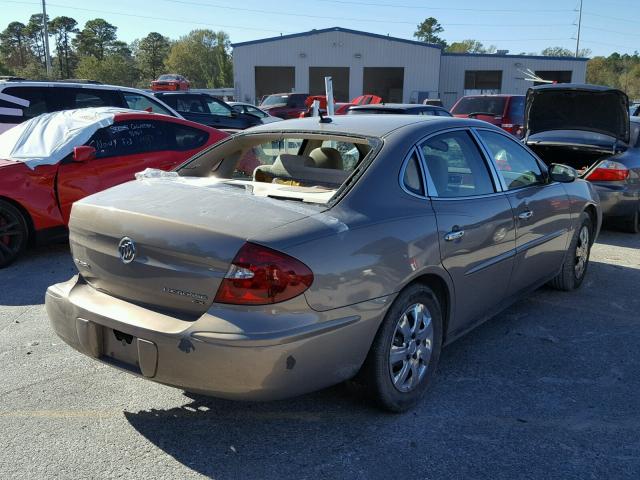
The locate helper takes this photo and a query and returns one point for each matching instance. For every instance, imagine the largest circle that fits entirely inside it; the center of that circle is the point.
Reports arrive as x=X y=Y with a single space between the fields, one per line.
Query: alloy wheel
x=582 y=252
x=11 y=235
x=411 y=348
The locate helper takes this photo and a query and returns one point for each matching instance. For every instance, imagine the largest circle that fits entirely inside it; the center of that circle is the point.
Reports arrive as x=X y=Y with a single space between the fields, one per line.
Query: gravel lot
x=548 y=389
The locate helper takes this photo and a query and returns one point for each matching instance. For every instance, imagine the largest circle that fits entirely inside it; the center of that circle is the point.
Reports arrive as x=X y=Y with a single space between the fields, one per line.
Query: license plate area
x=120 y=349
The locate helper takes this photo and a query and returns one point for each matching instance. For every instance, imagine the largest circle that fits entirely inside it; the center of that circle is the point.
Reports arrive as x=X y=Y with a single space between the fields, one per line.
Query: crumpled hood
x=590 y=108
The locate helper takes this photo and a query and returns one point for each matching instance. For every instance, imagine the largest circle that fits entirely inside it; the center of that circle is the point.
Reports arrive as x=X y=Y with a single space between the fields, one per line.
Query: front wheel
x=576 y=260
x=13 y=233
x=405 y=352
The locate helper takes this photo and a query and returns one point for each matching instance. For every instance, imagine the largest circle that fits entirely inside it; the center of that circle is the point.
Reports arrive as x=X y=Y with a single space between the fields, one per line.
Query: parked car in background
x=310 y=270
x=208 y=110
x=242 y=107
x=50 y=161
x=170 y=82
x=22 y=100
x=285 y=105
x=634 y=109
x=588 y=128
x=504 y=111
x=340 y=108
x=399 y=108
x=433 y=101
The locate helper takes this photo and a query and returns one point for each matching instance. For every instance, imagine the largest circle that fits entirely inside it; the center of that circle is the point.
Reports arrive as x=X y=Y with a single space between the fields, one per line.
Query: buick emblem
x=127 y=250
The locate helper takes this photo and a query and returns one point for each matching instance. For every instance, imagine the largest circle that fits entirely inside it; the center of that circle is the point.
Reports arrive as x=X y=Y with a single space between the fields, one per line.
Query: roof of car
x=396 y=106
x=71 y=84
x=574 y=86
x=376 y=126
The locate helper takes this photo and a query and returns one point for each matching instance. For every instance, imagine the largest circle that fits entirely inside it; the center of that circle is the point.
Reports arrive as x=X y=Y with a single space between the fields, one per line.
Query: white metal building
x=396 y=69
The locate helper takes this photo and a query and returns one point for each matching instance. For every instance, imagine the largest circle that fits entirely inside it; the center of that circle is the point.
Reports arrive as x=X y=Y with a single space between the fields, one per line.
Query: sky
x=607 y=25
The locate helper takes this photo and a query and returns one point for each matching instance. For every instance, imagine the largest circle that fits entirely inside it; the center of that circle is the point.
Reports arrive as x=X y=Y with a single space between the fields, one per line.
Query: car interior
x=304 y=168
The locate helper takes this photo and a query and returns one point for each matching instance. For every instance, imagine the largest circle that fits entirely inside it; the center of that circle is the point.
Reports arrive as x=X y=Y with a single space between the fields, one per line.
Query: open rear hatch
x=182 y=233
x=577 y=125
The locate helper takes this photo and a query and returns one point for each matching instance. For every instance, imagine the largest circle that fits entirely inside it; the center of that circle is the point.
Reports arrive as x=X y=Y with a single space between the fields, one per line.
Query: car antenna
x=324 y=119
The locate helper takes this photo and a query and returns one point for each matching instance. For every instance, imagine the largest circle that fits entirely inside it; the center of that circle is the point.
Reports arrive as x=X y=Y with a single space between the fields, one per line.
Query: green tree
x=13 y=45
x=114 y=69
x=62 y=28
x=34 y=31
x=96 y=38
x=428 y=32
x=469 y=46
x=564 y=52
x=203 y=57
x=151 y=53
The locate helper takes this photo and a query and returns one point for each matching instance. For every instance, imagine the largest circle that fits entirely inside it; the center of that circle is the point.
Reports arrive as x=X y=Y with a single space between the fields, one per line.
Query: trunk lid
x=589 y=108
x=185 y=233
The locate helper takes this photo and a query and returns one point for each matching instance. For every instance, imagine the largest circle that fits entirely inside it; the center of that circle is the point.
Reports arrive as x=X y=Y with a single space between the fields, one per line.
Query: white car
x=22 y=100
x=242 y=107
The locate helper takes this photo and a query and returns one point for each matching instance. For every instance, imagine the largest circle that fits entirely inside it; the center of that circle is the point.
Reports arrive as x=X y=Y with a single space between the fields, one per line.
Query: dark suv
x=504 y=111
x=208 y=110
x=285 y=105
x=22 y=100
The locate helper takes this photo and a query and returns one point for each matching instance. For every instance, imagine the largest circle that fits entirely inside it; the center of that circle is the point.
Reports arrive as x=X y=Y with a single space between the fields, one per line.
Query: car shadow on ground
x=540 y=380
x=616 y=238
x=31 y=274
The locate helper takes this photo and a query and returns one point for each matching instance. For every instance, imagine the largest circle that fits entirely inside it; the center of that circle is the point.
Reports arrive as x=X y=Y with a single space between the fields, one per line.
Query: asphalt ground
x=550 y=388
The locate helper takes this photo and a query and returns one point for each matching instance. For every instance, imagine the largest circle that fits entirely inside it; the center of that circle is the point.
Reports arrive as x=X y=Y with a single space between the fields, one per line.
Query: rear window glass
x=490 y=105
x=16 y=113
x=296 y=168
x=128 y=138
x=188 y=138
x=516 y=109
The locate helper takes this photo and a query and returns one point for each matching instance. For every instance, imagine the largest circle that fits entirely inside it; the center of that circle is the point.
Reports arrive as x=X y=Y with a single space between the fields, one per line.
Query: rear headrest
x=327 y=157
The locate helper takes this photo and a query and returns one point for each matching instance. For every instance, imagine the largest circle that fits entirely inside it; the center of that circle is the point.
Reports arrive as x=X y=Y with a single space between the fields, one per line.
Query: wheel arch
x=443 y=292
x=25 y=213
x=593 y=215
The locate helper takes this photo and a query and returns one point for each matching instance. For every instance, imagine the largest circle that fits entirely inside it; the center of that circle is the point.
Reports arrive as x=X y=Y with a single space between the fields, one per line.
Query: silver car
x=297 y=255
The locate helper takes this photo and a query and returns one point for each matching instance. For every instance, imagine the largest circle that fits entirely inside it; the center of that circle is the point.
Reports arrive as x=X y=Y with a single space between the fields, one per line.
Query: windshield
x=168 y=77
x=273 y=100
x=302 y=167
x=490 y=105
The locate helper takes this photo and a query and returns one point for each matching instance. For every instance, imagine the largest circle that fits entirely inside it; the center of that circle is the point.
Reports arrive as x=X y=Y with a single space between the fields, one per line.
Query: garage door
x=339 y=76
x=386 y=82
x=274 y=80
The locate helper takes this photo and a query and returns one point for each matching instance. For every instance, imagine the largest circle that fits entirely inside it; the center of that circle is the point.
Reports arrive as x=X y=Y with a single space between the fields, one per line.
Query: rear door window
x=216 y=107
x=456 y=166
x=86 y=98
x=38 y=103
x=487 y=105
x=186 y=138
x=143 y=103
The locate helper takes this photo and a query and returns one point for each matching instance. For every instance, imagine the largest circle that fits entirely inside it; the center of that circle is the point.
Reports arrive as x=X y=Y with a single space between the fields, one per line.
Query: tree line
x=94 y=52
x=616 y=70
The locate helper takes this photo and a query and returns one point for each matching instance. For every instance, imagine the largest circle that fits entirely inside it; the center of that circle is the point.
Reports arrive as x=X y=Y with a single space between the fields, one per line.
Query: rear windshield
x=307 y=168
x=490 y=105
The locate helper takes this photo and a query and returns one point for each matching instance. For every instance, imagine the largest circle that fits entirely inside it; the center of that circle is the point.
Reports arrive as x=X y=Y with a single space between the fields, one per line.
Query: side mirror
x=83 y=153
x=562 y=173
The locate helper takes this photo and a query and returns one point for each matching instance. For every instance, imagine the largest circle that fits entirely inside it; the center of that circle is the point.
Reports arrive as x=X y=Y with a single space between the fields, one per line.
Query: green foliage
x=62 y=28
x=96 y=38
x=13 y=45
x=151 y=53
x=34 y=32
x=428 y=31
x=112 y=69
x=618 y=71
x=469 y=46
x=564 y=52
x=203 y=57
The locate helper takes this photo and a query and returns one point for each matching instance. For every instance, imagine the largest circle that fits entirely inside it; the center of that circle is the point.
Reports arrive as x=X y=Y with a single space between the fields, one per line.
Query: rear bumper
x=617 y=201
x=203 y=357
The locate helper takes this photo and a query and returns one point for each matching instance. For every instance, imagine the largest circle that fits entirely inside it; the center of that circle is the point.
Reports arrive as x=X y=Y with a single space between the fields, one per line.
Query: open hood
x=589 y=108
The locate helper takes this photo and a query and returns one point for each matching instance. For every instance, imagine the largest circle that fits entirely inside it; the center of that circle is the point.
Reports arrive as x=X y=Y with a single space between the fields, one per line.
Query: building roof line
x=336 y=29
x=532 y=57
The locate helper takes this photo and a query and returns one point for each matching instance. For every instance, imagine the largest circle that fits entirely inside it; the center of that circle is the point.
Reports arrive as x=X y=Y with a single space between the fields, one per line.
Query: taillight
x=259 y=276
x=609 y=171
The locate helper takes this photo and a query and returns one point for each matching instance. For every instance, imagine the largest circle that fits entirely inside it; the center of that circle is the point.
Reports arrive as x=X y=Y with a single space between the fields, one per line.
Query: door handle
x=527 y=214
x=454 y=235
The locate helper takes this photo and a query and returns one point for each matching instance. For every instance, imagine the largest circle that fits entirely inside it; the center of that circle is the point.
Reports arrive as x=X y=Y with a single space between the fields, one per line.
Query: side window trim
x=405 y=164
x=495 y=178
x=487 y=152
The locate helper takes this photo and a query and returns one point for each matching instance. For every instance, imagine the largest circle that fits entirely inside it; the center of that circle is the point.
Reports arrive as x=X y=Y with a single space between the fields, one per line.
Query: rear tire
x=14 y=233
x=632 y=224
x=576 y=260
x=405 y=352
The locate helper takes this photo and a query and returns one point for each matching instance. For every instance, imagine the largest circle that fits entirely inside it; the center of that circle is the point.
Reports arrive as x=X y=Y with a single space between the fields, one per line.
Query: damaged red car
x=50 y=161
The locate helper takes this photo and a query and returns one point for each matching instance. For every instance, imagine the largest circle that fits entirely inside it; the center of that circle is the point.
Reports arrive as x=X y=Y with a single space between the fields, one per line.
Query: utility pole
x=579 y=25
x=47 y=53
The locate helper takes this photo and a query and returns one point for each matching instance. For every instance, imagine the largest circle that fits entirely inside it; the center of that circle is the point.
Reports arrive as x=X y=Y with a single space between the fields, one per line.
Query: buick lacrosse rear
x=286 y=259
